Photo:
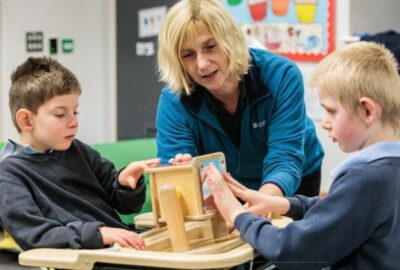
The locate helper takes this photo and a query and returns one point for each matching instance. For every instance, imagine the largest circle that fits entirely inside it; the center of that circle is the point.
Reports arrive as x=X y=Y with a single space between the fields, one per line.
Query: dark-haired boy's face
x=55 y=124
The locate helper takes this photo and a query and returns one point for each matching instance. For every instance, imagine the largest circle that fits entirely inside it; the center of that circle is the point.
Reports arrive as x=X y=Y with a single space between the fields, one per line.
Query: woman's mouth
x=209 y=75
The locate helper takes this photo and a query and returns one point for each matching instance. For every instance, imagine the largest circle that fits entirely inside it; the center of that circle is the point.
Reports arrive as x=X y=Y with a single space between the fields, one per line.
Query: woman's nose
x=202 y=62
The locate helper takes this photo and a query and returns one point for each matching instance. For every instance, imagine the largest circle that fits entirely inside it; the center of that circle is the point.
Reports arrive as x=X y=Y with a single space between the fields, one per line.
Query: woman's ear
x=370 y=110
x=24 y=120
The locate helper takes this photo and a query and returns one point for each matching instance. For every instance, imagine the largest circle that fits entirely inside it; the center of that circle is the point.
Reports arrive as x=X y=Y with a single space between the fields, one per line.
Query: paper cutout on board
x=258 y=9
x=305 y=10
x=280 y=7
x=144 y=48
x=299 y=29
x=151 y=20
x=234 y=2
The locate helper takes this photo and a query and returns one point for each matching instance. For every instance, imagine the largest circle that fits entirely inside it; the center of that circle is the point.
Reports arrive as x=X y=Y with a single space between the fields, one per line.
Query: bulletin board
x=302 y=30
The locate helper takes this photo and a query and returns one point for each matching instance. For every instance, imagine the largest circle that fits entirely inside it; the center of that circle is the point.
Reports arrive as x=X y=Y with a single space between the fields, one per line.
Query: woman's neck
x=229 y=96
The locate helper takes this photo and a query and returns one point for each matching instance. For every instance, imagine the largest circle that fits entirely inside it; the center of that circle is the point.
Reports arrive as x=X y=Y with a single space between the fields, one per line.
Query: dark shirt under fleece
x=229 y=122
x=60 y=199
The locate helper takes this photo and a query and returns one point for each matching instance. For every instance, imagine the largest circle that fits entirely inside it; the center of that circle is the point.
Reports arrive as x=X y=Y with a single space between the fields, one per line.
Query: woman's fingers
x=180 y=159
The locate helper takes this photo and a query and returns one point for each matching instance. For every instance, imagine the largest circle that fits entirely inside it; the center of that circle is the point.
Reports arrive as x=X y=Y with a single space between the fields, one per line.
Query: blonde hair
x=361 y=69
x=180 y=25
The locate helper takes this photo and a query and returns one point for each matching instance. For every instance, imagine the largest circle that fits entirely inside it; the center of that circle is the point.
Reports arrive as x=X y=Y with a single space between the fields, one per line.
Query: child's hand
x=180 y=159
x=257 y=202
x=226 y=202
x=132 y=173
x=122 y=237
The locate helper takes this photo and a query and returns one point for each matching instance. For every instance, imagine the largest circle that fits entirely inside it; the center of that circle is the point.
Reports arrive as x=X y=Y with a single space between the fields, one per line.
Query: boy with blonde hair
x=357 y=225
x=56 y=191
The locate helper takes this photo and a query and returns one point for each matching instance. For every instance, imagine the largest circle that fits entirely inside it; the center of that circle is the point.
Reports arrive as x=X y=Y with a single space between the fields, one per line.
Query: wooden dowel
x=174 y=217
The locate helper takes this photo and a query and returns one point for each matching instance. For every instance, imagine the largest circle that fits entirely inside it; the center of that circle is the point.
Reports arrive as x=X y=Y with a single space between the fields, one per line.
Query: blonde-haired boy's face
x=205 y=61
x=55 y=124
x=344 y=127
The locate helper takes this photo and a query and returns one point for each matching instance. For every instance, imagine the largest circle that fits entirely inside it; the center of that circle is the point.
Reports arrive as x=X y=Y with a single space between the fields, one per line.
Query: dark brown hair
x=36 y=81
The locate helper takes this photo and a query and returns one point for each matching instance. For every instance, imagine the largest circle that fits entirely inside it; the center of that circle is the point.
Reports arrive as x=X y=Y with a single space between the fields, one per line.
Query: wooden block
x=174 y=216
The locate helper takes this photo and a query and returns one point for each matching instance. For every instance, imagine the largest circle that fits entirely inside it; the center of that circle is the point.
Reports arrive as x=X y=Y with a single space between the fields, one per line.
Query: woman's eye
x=60 y=115
x=76 y=113
x=186 y=55
x=209 y=47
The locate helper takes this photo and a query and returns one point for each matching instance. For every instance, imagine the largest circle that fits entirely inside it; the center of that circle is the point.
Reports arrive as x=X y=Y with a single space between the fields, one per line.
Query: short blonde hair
x=361 y=69
x=180 y=25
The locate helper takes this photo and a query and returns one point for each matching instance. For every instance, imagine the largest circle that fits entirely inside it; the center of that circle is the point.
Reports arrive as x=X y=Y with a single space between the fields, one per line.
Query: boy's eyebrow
x=64 y=107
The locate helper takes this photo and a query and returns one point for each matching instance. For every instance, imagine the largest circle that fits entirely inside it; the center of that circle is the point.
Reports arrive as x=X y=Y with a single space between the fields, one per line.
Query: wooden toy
x=187 y=232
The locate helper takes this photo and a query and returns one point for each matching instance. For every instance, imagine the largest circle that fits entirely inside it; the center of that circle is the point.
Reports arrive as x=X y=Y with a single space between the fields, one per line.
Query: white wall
x=374 y=16
x=333 y=155
x=91 y=24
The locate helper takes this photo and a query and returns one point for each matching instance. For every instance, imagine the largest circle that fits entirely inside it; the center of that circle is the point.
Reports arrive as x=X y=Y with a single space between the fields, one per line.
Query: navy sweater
x=355 y=227
x=59 y=199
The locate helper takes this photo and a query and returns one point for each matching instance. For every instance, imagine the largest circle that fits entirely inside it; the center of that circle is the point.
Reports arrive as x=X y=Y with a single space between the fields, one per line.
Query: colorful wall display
x=302 y=30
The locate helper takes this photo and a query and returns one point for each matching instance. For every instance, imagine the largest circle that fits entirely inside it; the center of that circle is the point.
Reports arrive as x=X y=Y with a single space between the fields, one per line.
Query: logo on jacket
x=259 y=124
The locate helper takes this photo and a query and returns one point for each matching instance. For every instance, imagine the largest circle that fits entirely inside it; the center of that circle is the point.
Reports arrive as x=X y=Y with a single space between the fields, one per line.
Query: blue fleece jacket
x=278 y=143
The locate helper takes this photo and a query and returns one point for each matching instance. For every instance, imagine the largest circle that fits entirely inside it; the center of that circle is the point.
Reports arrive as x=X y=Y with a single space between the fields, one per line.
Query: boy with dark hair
x=56 y=191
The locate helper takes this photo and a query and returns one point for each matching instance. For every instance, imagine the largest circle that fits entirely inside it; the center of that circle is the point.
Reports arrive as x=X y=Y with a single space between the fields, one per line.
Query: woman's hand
x=180 y=159
x=124 y=238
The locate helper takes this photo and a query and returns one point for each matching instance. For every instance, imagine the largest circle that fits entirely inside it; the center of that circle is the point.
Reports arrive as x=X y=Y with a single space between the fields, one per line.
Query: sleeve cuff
x=91 y=236
x=295 y=210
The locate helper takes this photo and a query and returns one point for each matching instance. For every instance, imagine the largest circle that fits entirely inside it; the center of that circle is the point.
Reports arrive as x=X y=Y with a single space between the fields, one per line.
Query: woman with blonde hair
x=222 y=96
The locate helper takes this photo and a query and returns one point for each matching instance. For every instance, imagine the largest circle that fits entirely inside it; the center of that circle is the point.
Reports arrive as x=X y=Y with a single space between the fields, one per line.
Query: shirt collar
x=367 y=155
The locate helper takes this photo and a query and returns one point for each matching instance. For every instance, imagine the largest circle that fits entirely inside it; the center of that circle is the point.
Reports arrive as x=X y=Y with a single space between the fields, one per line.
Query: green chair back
x=122 y=153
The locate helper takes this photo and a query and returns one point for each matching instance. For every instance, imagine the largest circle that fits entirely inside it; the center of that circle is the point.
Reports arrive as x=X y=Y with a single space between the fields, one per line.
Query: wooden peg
x=174 y=217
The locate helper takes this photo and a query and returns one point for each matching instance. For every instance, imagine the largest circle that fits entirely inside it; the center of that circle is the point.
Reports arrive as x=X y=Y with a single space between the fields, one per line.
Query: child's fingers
x=137 y=242
x=152 y=162
x=213 y=172
x=238 y=192
x=129 y=239
x=228 y=178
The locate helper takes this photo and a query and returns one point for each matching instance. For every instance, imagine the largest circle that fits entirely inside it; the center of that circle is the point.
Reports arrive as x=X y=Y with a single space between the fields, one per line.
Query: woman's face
x=206 y=63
